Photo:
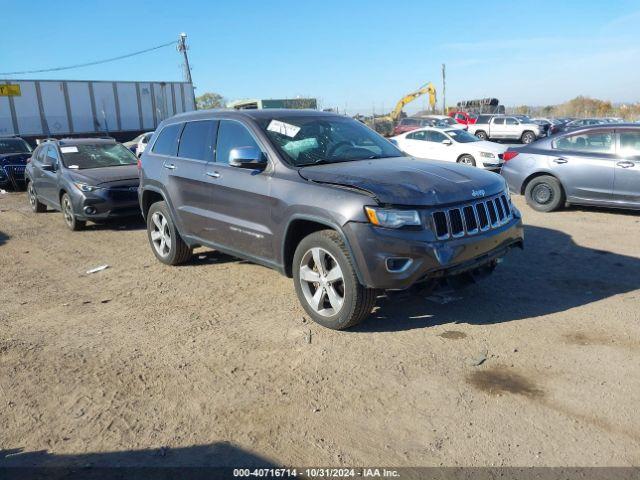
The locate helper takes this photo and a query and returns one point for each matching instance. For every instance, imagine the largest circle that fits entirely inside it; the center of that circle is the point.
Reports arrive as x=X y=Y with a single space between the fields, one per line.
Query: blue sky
x=355 y=54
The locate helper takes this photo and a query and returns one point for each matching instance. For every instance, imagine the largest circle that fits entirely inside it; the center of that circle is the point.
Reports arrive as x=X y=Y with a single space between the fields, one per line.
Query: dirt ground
x=214 y=362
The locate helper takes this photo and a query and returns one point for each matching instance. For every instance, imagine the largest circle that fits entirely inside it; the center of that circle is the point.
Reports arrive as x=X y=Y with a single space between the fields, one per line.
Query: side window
x=437 y=137
x=197 y=140
x=511 y=121
x=421 y=135
x=52 y=156
x=498 y=121
x=595 y=142
x=40 y=153
x=232 y=135
x=167 y=142
x=629 y=144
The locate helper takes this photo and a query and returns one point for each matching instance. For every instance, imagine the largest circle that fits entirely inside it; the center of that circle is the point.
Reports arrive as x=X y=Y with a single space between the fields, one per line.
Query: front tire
x=36 y=206
x=528 y=137
x=544 y=194
x=467 y=160
x=165 y=241
x=326 y=282
x=69 y=216
x=482 y=135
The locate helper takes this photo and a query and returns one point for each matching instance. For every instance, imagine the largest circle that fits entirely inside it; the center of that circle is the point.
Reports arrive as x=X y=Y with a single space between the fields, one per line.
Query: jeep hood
x=105 y=175
x=409 y=181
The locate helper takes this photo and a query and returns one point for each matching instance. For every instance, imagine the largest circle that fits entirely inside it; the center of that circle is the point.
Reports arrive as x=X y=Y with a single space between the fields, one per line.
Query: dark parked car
x=580 y=123
x=323 y=199
x=408 y=124
x=593 y=166
x=86 y=179
x=14 y=153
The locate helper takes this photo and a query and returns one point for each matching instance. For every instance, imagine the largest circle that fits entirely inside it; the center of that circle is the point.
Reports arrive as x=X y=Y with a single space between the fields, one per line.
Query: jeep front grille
x=470 y=219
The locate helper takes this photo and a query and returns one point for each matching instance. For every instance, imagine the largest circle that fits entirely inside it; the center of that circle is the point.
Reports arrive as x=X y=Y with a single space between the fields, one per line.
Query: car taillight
x=139 y=163
x=506 y=156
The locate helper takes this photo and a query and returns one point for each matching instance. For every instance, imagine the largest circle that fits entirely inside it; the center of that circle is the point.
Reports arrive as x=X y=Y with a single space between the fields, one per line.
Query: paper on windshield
x=283 y=128
x=69 y=149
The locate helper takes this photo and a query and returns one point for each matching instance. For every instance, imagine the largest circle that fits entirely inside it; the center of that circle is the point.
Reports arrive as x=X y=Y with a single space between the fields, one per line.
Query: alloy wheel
x=32 y=195
x=322 y=282
x=67 y=210
x=161 y=235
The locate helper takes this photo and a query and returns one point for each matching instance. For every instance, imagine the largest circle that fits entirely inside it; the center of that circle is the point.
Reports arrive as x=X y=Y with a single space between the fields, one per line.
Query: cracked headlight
x=392 y=218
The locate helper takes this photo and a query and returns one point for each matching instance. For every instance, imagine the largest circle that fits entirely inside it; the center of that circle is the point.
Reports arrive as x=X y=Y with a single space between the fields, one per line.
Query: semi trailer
x=36 y=109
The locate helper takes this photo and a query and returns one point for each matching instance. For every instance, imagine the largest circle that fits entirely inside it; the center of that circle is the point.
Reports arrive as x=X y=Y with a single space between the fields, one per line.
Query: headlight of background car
x=83 y=187
x=391 y=218
x=487 y=155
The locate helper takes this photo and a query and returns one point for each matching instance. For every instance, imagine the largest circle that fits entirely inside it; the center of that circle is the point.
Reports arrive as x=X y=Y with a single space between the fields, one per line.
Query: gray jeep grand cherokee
x=323 y=199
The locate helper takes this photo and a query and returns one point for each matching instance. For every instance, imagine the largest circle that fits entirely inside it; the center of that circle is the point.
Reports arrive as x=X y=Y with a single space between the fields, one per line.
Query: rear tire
x=482 y=135
x=467 y=160
x=165 y=241
x=545 y=194
x=337 y=300
x=36 y=206
x=69 y=215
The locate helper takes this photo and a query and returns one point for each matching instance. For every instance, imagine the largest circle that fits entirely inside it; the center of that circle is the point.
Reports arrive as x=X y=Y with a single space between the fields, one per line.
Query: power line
x=98 y=62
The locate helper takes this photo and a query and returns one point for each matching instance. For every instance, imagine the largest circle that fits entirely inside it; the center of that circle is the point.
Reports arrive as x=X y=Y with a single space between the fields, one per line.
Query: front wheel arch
x=289 y=246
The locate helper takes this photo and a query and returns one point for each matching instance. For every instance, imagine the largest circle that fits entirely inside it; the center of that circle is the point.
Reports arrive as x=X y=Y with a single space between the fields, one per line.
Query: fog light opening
x=90 y=210
x=398 y=264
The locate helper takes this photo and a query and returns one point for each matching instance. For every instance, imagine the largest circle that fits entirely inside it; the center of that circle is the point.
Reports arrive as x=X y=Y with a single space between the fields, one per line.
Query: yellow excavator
x=384 y=124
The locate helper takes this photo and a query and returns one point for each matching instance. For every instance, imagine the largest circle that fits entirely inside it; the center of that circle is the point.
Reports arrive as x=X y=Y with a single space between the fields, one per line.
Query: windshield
x=462 y=136
x=308 y=140
x=14 y=145
x=80 y=157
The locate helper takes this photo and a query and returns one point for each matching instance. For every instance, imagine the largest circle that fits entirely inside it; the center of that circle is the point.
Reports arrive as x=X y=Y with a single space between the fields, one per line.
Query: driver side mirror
x=247 y=157
x=48 y=166
x=447 y=142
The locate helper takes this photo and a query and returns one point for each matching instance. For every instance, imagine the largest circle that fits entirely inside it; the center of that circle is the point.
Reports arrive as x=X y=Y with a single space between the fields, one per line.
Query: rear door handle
x=170 y=166
x=212 y=174
x=560 y=160
x=626 y=164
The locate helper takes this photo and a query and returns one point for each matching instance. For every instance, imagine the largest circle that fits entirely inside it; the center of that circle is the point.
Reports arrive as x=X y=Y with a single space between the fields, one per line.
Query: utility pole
x=182 y=47
x=444 y=90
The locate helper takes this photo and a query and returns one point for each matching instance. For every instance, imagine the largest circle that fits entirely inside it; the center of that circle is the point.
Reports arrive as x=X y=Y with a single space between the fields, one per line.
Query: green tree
x=210 y=100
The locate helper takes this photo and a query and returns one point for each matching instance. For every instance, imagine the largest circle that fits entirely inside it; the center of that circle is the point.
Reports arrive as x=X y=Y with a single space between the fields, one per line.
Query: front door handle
x=626 y=164
x=170 y=166
x=560 y=160
x=212 y=174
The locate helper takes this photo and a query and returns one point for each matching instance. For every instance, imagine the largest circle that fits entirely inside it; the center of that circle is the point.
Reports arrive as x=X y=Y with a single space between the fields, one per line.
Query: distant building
x=257 y=104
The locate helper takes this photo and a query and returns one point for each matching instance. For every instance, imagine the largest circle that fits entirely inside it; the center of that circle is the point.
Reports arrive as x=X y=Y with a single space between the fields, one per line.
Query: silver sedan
x=598 y=165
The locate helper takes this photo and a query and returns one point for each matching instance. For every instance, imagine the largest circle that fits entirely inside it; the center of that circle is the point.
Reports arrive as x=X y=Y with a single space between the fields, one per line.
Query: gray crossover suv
x=92 y=179
x=323 y=199
x=598 y=165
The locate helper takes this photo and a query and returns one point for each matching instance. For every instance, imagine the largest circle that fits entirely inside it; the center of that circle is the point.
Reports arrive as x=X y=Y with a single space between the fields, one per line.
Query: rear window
x=167 y=142
x=197 y=140
x=409 y=121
